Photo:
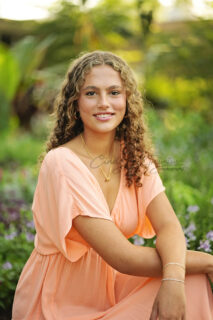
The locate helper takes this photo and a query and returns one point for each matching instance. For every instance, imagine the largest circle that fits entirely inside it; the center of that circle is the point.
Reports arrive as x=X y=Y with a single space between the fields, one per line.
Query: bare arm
x=170 y=243
x=117 y=251
x=127 y=258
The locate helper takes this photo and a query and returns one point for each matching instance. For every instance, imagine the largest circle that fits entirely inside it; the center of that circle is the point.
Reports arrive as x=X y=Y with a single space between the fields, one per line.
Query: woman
x=98 y=186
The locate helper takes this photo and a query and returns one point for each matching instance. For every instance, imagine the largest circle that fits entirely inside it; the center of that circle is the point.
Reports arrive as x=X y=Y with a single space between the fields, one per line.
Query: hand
x=170 y=303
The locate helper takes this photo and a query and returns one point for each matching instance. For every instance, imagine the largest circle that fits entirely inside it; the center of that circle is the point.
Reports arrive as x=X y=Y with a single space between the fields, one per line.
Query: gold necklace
x=107 y=177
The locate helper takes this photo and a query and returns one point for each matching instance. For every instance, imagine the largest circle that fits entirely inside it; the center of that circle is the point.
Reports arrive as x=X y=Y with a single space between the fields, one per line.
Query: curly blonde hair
x=137 y=147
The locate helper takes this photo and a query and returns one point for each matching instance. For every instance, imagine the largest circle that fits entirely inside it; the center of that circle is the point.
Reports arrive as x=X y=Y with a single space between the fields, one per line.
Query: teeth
x=103 y=115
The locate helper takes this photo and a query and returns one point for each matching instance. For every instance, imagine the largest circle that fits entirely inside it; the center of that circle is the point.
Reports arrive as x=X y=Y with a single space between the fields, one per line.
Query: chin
x=103 y=130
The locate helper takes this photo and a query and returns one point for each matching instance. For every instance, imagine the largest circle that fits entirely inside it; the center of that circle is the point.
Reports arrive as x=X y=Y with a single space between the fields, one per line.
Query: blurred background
x=169 y=45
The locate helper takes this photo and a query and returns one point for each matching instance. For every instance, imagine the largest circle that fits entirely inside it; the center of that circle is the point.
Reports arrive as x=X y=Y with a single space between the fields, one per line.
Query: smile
x=103 y=116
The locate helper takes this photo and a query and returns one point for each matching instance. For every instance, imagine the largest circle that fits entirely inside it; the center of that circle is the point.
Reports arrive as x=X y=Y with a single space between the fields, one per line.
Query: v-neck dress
x=64 y=278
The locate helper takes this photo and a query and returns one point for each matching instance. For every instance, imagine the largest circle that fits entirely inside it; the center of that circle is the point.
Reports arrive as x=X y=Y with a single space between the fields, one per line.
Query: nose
x=103 y=101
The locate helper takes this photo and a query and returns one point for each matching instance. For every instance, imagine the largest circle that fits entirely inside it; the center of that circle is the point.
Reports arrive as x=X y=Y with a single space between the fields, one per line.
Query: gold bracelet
x=175 y=263
x=173 y=279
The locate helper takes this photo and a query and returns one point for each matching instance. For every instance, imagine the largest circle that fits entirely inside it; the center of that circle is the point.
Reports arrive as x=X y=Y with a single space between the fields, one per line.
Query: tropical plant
x=9 y=80
x=17 y=78
x=179 y=66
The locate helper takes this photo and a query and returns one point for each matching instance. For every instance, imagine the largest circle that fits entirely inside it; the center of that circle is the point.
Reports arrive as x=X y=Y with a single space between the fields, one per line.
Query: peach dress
x=64 y=278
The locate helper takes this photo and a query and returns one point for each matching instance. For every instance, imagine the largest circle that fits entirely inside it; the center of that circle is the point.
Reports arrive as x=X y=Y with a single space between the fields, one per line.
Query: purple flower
x=10 y=236
x=7 y=266
x=30 y=237
x=13 y=214
x=191 y=236
x=209 y=235
x=193 y=209
x=205 y=245
x=189 y=231
x=187 y=216
x=30 y=224
x=190 y=228
x=138 y=241
x=187 y=242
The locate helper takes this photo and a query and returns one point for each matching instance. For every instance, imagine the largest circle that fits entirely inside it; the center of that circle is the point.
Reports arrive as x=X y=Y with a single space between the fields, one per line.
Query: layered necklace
x=107 y=177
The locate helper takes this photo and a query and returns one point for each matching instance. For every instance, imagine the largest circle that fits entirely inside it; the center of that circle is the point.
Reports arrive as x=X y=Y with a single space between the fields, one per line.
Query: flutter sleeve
x=152 y=186
x=64 y=191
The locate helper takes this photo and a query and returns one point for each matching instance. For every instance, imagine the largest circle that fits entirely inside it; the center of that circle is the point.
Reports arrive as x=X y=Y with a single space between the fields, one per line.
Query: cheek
x=84 y=104
x=120 y=105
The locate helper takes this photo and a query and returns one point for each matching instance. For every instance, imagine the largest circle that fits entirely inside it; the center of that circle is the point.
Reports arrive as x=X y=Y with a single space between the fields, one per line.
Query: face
x=102 y=100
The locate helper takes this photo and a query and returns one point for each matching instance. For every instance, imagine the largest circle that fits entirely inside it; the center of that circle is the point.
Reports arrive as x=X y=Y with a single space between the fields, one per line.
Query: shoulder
x=53 y=156
x=63 y=161
x=58 y=159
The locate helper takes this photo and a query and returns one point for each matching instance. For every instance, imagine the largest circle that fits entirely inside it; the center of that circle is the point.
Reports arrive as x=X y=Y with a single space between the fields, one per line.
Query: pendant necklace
x=107 y=177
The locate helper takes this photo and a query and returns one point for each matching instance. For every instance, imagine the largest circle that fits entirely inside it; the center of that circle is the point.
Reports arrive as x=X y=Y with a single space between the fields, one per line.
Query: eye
x=115 y=93
x=90 y=93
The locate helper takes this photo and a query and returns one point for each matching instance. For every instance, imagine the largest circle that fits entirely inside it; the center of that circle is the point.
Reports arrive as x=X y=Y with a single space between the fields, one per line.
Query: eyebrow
x=95 y=88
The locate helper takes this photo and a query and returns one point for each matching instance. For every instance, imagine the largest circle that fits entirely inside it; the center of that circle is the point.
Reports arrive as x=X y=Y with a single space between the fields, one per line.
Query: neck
x=99 y=143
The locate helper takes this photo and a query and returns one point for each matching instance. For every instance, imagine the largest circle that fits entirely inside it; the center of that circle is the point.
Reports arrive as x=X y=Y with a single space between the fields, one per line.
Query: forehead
x=104 y=74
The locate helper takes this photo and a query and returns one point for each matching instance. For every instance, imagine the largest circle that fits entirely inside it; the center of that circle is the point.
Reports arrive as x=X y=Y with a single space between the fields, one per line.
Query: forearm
x=146 y=262
x=117 y=251
x=198 y=262
x=171 y=246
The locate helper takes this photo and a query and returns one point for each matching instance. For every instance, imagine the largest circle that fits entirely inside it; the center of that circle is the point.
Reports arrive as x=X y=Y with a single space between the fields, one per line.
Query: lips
x=103 y=116
x=103 y=113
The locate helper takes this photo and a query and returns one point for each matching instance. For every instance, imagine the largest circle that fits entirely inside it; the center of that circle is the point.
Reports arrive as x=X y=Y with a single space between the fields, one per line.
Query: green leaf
x=9 y=74
x=29 y=54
